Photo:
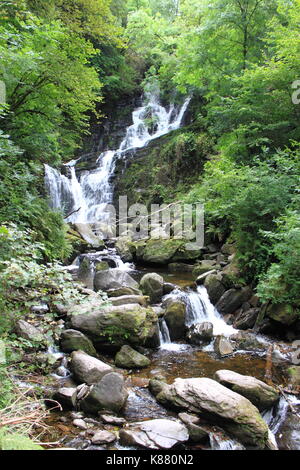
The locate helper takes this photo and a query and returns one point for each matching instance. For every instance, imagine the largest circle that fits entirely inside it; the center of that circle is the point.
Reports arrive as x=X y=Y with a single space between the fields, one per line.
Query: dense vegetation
x=63 y=60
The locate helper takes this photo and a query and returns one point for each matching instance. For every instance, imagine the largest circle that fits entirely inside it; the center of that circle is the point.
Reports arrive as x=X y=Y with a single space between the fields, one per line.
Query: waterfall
x=200 y=309
x=164 y=334
x=86 y=197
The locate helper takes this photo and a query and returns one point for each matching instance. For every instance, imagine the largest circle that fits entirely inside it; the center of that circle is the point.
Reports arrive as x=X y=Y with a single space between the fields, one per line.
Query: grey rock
x=260 y=394
x=88 y=369
x=103 y=437
x=223 y=346
x=113 y=279
x=73 y=340
x=66 y=396
x=233 y=299
x=128 y=358
x=175 y=317
x=29 y=332
x=80 y=423
x=108 y=394
x=197 y=432
x=201 y=333
x=155 y=434
x=152 y=285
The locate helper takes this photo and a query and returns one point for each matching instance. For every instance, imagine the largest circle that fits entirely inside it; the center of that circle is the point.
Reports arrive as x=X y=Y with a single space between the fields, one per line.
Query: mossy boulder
x=283 y=313
x=152 y=285
x=102 y=266
x=128 y=358
x=203 y=267
x=73 y=340
x=163 y=251
x=124 y=249
x=214 y=286
x=113 y=326
x=175 y=317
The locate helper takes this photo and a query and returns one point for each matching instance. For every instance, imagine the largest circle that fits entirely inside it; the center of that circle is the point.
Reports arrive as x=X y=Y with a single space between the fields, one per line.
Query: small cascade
x=276 y=416
x=164 y=334
x=86 y=198
x=200 y=309
x=223 y=443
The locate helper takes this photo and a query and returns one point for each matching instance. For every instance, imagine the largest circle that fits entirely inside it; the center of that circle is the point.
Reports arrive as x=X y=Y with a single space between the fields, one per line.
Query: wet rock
x=128 y=358
x=154 y=434
x=168 y=288
x=260 y=394
x=113 y=279
x=200 y=279
x=283 y=313
x=214 y=287
x=108 y=394
x=152 y=285
x=123 y=249
x=175 y=318
x=208 y=398
x=86 y=273
x=80 y=423
x=112 y=420
x=248 y=342
x=180 y=268
x=200 y=334
x=289 y=437
x=66 y=396
x=103 y=437
x=103 y=266
x=88 y=369
x=130 y=299
x=29 y=332
x=197 y=432
x=112 y=327
x=73 y=340
x=246 y=320
x=223 y=346
x=204 y=267
x=157 y=385
x=233 y=299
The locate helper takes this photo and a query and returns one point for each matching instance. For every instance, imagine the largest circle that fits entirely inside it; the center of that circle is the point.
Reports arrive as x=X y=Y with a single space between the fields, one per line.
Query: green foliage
x=15 y=441
x=281 y=283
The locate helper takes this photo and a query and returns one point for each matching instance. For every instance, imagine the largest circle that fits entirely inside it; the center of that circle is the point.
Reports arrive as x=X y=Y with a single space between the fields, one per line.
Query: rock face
x=214 y=287
x=155 y=434
x=88 y=369
x=114 y=279
x=201 y=333
x=29 y=332
x=246 y=320
x=175 y=318
x=163 y=251
x=232 y=300
x=209 y=399
x=283 y=313
x=115 y=326
x=223 y=346
x=128 y=358
x=108 y=394
x=197 y=432
x=152 y=285
x=260 y=394
x=72 y=340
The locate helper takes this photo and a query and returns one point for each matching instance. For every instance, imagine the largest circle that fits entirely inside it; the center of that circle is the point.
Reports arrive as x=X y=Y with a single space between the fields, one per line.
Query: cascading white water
x=164 y=334
x=86 y=198
x=200 y=310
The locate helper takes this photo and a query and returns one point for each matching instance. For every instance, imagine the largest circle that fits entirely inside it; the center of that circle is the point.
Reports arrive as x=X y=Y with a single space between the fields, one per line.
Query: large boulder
x=88 y=369
x=214 y=286
x=73 y=340
x=246 y=320
x=175 y=318
x=209 y=399
x=233 y=299
x=108 y=394
x=129 y=299
x=163 y=251
x=113 y=279
x=260 y=394
x=29 y=332
x=201 y=333
x=283 y=313
x=154 y=434
x=152 y=285
x=115 y=326
x=123 y=249
x=128 y=358
x=223 y=346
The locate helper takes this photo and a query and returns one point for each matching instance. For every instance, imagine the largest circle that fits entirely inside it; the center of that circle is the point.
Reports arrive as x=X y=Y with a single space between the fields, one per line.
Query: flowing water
x=87 y=197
